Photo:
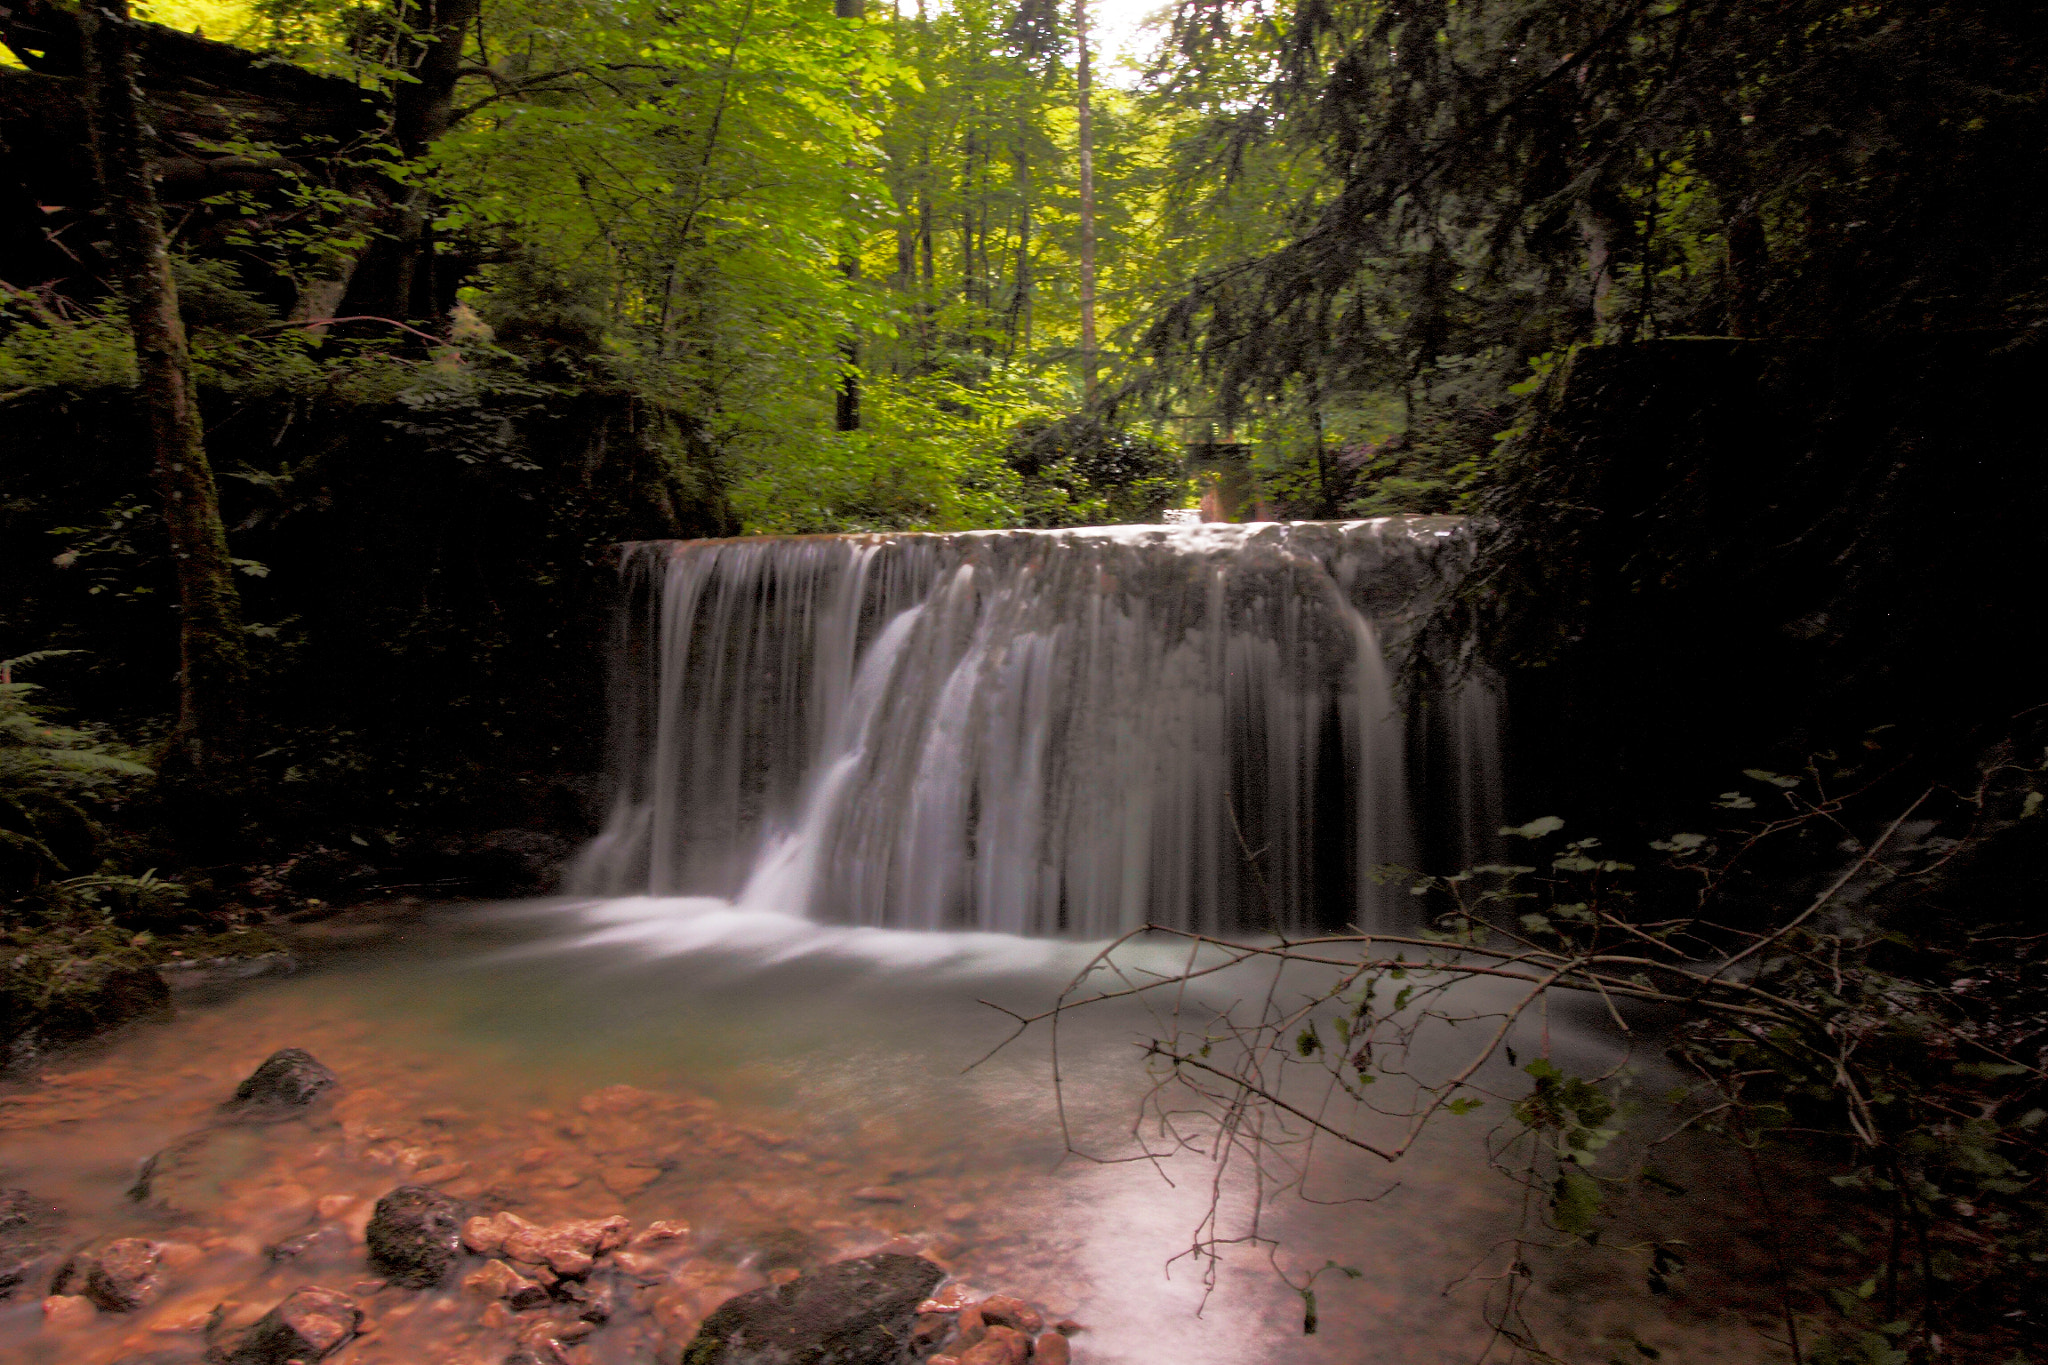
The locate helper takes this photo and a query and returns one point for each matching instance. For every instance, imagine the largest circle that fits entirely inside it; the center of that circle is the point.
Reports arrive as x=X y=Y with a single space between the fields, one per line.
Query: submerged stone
x=118 y=1276
x=309 y=1325
x=289 y=1080
x=415 y=1235
x=193 y=1174
x=28 y=1228
x=857 y=1312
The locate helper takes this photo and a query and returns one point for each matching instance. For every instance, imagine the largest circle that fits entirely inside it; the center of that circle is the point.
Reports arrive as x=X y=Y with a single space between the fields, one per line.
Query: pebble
x=497 y=1280
x=63 y=1312
x=1052 y=1349
x=1001 y=1346
x=1012 y=1312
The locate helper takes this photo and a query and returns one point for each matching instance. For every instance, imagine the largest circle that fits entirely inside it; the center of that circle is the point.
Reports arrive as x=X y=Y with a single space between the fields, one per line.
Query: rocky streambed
x=261 y=1236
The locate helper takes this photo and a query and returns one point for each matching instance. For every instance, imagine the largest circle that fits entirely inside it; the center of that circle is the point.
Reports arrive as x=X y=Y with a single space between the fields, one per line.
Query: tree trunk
x=1082 y=80
x=213 y=668
x=395 y=277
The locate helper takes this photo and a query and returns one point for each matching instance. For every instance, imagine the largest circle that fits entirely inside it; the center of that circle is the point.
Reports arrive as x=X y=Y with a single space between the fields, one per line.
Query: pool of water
x=794 y=1094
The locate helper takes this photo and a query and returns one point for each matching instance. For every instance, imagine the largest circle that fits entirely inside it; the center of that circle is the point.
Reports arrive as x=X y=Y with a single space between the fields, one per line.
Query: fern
x=51 y=778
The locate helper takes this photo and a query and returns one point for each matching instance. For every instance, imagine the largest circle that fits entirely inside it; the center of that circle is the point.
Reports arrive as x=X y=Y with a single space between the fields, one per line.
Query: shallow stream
x=795 y=1094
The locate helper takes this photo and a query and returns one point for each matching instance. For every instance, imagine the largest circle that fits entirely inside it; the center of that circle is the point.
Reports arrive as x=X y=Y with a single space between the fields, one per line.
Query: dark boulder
x=28 y=1228
x=311 y=1324
x=289 y=1080
x=856 y=1312
x=415 y=1235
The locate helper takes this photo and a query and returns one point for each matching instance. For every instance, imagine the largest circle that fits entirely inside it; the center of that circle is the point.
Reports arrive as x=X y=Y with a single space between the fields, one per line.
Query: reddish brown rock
x=61 y=1312
x=928 y=1330
x=496 y=1280
x=1052 y=1349
x=119 y=1277
x=1011 y=1312
x=661 y=1230
x=1000 y=1346
x=310 y=1325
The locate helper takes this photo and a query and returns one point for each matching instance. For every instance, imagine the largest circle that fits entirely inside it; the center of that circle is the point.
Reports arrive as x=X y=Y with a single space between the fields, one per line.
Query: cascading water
x=1039 y=732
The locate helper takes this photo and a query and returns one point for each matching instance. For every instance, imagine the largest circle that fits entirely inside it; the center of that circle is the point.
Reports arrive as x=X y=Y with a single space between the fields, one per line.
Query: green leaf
x=1535 y=829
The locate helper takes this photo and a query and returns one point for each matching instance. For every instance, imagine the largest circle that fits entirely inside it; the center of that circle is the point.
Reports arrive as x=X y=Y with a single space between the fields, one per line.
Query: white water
x=1065 y=733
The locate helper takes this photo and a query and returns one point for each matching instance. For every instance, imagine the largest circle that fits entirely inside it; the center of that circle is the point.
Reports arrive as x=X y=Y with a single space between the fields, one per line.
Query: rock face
x=27 y=1234
x=856 y=1312
x=415 y=1235
x=119 y=1276
x=288 y=1081
x=309 y=1325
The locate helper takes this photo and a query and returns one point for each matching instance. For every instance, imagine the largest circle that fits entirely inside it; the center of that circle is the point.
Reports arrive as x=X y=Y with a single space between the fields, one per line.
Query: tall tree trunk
x=213 y=667
x=1747 y=261
x=1082 y=82
x=395 y=276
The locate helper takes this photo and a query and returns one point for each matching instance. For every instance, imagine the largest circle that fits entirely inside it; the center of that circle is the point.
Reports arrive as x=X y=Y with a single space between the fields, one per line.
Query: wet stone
x=856 y=1312
x=999 y=1346
x=309 y=1325
x=414 y=1236
x=327 y=1242
x=1052 y=1349
x=28 y=1228
x=1004 y=1310
x=118 y=1277
x=289 y=1080
x=191 y=1175
x=497 y=1280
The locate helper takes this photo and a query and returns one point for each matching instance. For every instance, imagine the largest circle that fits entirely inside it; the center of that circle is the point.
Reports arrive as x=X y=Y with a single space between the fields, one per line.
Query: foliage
x=1083 y=471
x=51 y=778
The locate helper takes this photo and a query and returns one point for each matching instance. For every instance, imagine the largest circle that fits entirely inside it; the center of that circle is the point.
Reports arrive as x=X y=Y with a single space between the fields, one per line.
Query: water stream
x=1057 y=732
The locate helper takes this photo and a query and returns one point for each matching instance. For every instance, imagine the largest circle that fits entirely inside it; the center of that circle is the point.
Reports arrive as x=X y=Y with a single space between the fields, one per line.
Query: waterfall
x=1071 y=732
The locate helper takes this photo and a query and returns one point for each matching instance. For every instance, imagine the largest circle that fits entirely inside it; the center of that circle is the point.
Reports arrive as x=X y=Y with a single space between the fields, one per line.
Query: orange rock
x=928 y=1330
x=627 y=1181
x=64 y=1312
x=496 y=1280
x=950 y=1298
x=180 y=1255
x=972 y=1328
x=661 y=1230
x=1002 y=1346
x=1052 y=1349
x=1011 y=1312
x=486 y=1236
